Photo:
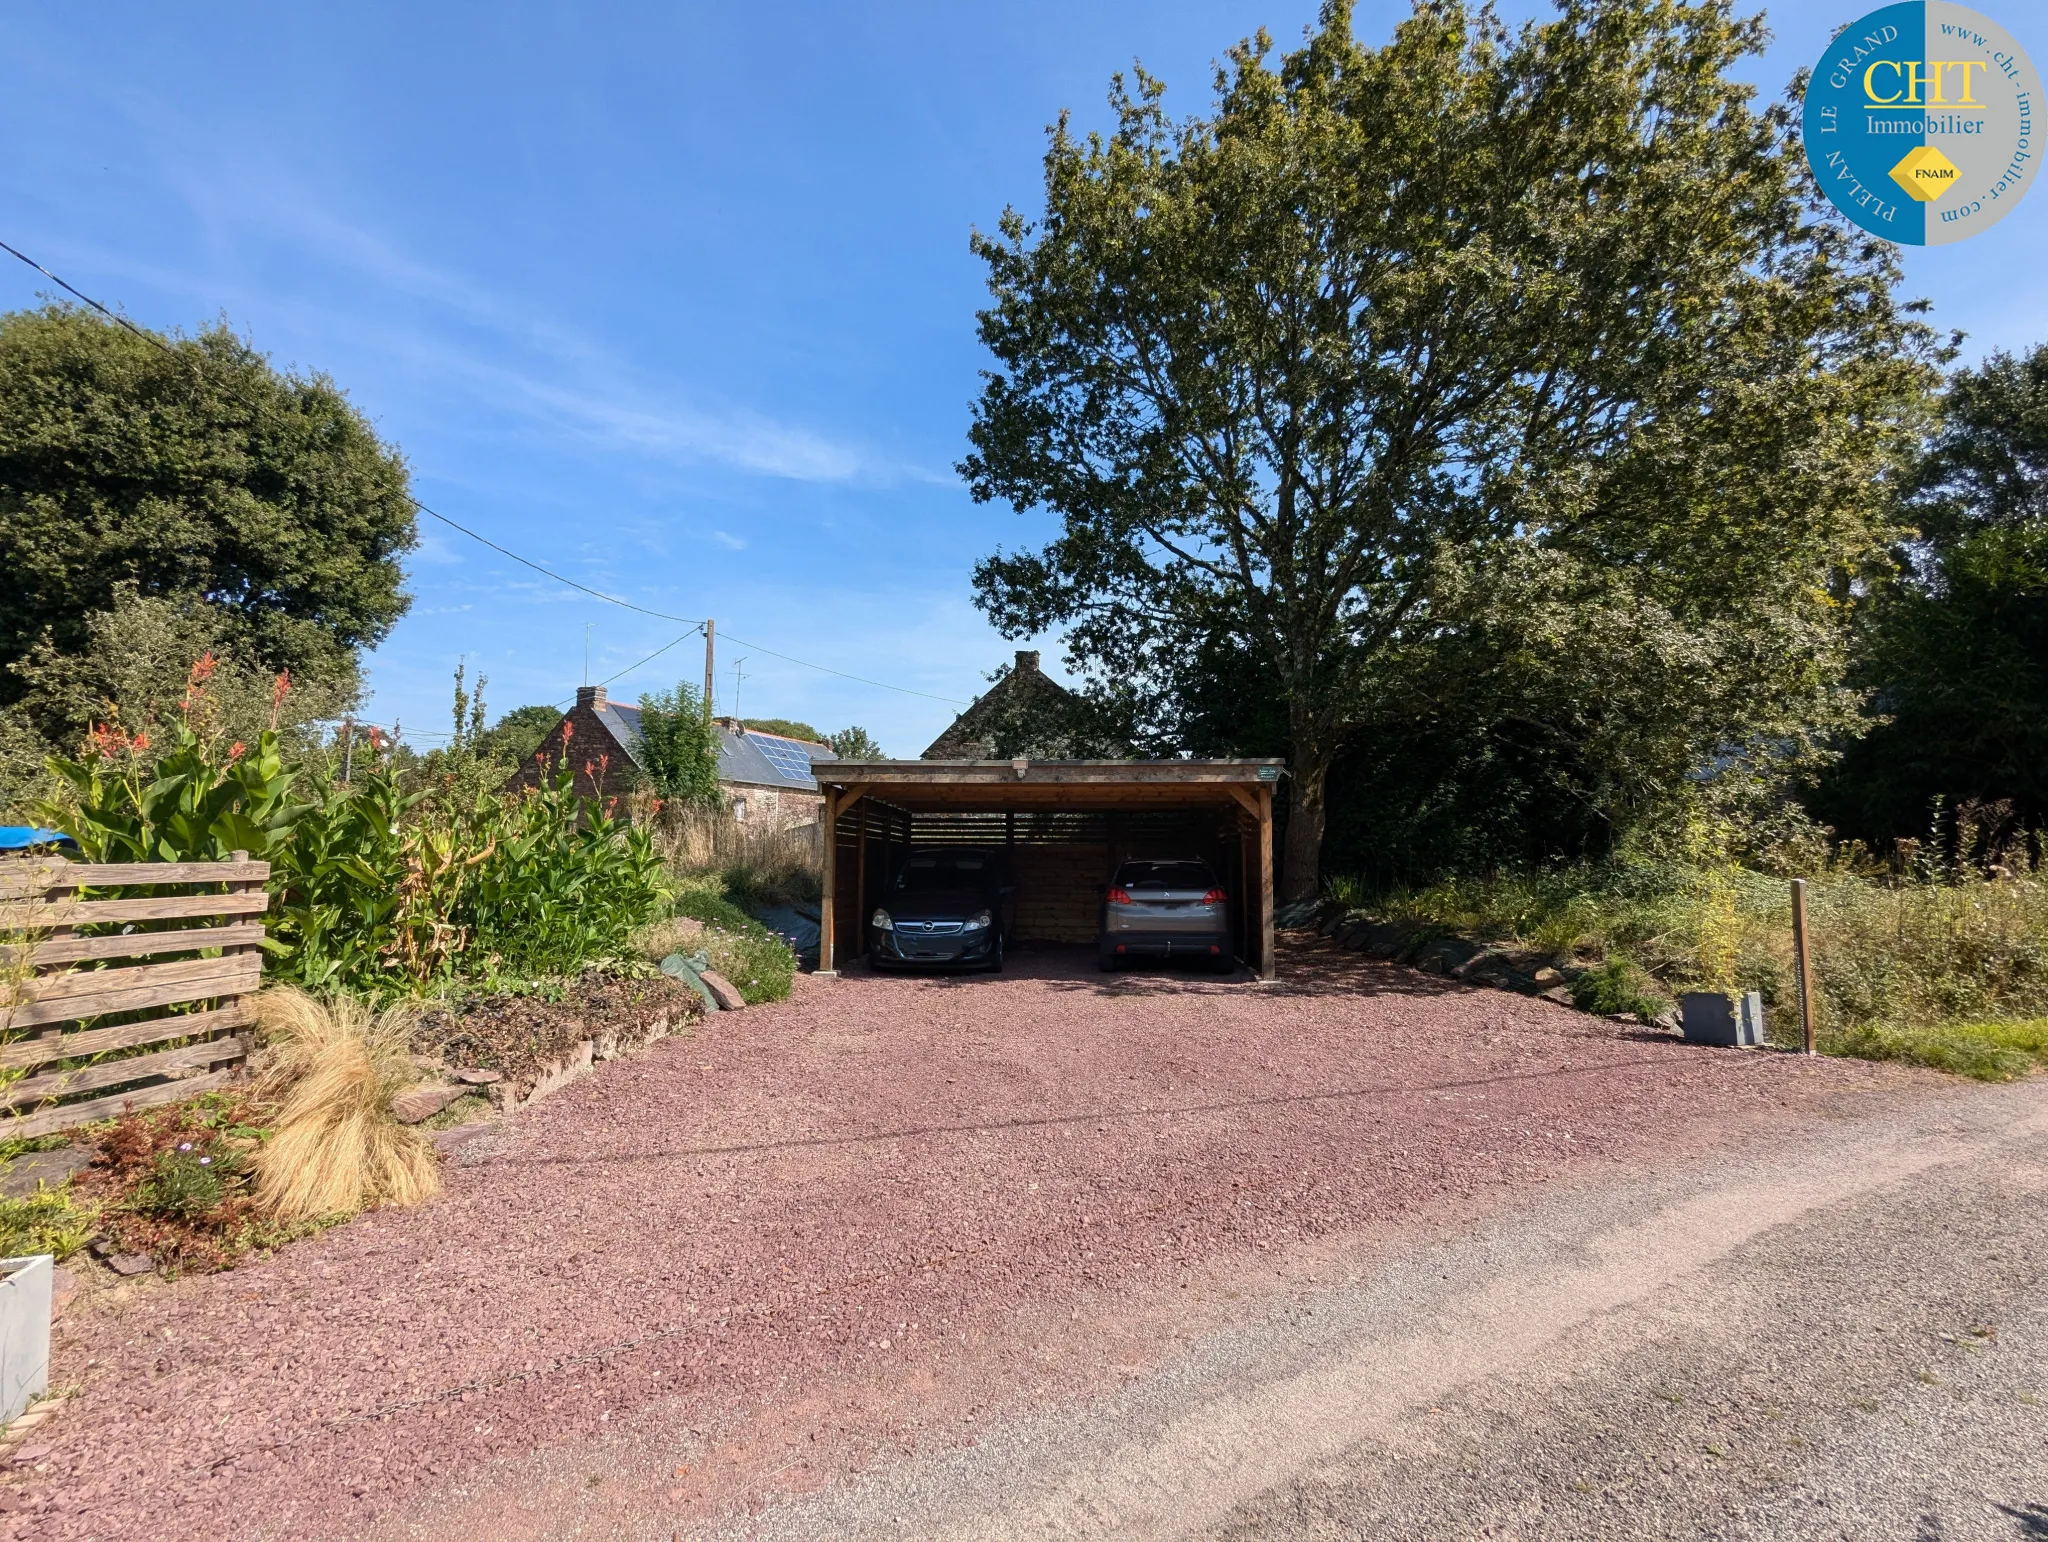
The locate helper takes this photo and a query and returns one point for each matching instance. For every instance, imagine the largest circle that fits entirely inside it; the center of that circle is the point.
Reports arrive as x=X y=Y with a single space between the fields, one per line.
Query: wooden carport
x=1059 y=818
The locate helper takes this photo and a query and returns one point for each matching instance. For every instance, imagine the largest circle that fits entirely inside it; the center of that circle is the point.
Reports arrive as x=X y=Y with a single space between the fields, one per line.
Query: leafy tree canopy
x=856 y=744
x=194 y=471
x=679 y=746
x=788 y=728
x=1397 y=339
x=519 y=732
x=1955 y=646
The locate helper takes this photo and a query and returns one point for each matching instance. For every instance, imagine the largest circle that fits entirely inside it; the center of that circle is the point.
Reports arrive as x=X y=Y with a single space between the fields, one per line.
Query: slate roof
x=752 y=758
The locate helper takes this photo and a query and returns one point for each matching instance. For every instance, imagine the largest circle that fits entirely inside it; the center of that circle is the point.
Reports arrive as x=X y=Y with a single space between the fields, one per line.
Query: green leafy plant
x=198 y=801
x=187 y=1182
x=47 y=1221
x=1618 y=985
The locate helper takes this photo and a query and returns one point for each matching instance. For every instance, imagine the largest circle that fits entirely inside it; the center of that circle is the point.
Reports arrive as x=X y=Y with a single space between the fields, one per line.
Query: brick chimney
x=1027 y=661
x=590 y=697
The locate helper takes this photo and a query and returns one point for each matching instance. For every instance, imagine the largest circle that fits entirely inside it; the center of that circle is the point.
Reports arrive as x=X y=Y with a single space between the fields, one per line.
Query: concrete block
x=1733 y=1022
x=24 y=1331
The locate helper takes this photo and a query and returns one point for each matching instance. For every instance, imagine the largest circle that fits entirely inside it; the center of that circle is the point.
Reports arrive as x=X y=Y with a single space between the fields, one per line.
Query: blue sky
x=675 y=299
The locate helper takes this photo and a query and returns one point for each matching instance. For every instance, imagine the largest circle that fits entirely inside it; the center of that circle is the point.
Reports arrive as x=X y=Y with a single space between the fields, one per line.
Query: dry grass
x=334 y=1069
x=758 y=862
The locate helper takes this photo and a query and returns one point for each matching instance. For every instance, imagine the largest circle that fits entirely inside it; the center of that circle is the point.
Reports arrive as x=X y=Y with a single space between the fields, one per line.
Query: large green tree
x=1954 y=647
x=1394 y=336
x=192 y=471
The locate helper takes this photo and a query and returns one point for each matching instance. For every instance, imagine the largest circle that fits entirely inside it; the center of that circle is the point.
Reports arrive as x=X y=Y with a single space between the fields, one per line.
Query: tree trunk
x=1302 y=864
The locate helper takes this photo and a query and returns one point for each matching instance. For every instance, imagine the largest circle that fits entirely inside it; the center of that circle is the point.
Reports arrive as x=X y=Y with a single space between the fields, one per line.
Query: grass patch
x=1987 y=1052
x=47 y=1221
x=760 y=965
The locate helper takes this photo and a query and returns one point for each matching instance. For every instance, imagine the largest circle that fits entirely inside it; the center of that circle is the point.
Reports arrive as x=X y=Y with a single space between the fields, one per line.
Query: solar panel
x=785 y=757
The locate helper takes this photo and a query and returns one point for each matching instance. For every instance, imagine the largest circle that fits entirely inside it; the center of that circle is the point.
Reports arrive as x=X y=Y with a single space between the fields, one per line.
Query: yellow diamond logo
x=1925 y=173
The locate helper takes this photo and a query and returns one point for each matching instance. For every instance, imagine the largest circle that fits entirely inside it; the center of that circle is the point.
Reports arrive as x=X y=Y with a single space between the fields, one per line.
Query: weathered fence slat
x=41 y=916
x=78 y=950
x=84 y=1042
x=67 y=998
x=68 y=1116
x=164 y=907
x=40 y=877
x=112 y=1073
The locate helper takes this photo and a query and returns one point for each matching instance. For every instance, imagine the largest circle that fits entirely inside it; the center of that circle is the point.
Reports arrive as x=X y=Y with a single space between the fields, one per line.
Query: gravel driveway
x=814 y=1239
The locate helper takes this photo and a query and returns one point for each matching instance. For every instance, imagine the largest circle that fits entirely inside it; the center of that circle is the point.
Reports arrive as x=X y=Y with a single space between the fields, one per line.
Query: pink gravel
x=740 y=1216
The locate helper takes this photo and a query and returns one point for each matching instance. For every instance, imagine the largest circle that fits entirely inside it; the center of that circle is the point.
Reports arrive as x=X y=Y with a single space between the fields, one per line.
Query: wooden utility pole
x=710 y=644
x=1804 y=963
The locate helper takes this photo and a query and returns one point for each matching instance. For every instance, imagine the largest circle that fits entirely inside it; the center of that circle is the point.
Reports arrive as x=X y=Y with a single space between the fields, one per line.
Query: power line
x=504 y=551
x=657 y=653
x=842 y=674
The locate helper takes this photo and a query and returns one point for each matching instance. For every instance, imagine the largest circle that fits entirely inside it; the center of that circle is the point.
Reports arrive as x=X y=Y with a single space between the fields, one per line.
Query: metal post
x=1804 y=963
x=348 y=748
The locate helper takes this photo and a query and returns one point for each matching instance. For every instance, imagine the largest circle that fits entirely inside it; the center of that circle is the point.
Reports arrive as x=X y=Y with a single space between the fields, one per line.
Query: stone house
x=1028 y=713
x=764 y=778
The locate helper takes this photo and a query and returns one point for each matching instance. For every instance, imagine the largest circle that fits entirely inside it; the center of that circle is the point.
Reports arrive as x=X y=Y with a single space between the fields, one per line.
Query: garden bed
x=531 y=1040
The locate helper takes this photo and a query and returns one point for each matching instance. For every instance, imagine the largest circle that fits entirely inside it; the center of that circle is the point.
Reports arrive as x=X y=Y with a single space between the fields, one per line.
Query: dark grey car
x=1166 y=908
x=942 y=908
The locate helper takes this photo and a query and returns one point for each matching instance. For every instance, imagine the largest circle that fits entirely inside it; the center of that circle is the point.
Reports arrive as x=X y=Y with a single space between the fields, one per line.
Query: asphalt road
x=1837 y=1331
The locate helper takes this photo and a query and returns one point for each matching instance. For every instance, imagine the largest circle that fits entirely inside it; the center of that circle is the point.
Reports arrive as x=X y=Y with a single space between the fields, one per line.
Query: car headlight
x=881 y=922
x=978 y=921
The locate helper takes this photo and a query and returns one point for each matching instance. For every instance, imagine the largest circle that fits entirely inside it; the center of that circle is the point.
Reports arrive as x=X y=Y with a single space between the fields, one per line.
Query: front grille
x=930 y=928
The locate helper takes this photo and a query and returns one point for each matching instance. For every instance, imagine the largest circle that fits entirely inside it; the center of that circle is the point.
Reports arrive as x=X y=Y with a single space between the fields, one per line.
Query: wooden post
x=1804 y=963
x=710 y=649
x=1268 y=968
x=828 y=920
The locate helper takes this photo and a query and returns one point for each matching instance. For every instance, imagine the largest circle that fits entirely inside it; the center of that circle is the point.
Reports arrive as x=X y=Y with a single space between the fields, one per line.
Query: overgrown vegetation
x=379 y=889
x=175 y=1183
x=50 y=1220
x=1944 y=964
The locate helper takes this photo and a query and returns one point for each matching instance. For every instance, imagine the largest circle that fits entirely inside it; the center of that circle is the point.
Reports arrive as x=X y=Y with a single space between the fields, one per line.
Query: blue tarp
x=21 y=837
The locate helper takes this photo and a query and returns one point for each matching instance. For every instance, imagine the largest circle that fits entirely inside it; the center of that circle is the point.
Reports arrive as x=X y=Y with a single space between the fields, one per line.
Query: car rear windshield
x=929 y=870
x=1165 y=875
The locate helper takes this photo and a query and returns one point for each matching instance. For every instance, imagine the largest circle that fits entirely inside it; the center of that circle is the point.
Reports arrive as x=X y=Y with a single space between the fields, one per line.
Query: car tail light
x=1120 y=896
x=1214 y=897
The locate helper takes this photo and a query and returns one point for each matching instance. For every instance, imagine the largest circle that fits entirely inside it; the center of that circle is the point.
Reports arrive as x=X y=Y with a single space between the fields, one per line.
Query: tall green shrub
x=679 y=747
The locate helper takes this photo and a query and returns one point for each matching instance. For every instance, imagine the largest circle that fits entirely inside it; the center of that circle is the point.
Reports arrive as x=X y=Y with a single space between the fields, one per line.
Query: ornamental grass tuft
x=335 y=1067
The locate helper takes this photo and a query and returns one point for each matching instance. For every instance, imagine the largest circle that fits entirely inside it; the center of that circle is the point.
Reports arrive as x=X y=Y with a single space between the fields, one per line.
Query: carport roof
x=1011 y=784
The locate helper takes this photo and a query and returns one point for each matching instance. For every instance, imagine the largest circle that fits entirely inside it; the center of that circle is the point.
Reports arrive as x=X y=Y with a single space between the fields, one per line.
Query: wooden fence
x=84 y=978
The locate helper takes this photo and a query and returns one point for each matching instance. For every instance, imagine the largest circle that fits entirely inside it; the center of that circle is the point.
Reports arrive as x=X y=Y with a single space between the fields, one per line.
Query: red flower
x=236 y=751
x=139 y=742
x=203 y=667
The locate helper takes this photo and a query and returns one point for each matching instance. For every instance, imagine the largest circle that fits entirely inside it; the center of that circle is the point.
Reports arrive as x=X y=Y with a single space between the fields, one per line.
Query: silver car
x=1166 y=908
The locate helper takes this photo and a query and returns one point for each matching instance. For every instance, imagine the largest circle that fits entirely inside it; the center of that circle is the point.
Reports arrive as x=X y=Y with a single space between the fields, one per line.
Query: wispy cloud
x=501 y=348
x=728 y=540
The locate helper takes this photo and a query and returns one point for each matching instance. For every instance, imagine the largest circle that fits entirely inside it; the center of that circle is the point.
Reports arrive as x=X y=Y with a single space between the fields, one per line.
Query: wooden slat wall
x=71 y=1003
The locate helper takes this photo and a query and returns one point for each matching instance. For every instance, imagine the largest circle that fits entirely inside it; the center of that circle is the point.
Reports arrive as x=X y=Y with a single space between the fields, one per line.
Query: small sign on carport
x=1065 y=825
